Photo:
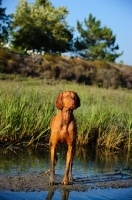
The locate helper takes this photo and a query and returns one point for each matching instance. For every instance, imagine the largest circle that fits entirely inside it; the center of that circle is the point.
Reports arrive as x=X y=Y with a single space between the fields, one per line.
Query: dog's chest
x=66 y=132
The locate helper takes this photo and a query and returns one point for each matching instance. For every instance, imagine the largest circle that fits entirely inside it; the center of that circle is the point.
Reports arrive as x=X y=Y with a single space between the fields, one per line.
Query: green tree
x=96 y=42
x=40 y=26
x=4 y=25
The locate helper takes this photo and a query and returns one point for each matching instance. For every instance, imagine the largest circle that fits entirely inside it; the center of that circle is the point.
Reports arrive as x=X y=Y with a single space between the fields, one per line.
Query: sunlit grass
x=26 y=107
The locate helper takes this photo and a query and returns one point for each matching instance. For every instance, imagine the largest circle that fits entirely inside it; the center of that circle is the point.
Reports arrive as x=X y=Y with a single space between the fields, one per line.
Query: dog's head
x=68 y=99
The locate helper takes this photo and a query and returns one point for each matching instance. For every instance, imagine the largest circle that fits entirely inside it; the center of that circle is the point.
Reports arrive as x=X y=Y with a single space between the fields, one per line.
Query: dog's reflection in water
x=50 y=196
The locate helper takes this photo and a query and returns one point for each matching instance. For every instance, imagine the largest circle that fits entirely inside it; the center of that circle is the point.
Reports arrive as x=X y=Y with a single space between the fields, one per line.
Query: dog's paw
x=51 y=183
x=47 y=172
x=65 y=182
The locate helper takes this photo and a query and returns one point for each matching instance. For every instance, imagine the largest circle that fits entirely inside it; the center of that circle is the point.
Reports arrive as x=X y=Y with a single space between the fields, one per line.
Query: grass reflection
x=87 y=161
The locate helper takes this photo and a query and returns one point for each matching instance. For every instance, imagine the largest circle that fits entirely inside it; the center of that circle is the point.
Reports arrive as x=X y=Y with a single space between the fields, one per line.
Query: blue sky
x=115 y=14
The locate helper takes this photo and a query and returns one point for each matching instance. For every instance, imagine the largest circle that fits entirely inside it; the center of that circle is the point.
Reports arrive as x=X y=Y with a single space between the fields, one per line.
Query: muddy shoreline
x=39 y=182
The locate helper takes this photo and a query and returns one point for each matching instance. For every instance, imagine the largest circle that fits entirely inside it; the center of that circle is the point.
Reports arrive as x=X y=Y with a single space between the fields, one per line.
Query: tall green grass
x=25 y=111
x=104 y=118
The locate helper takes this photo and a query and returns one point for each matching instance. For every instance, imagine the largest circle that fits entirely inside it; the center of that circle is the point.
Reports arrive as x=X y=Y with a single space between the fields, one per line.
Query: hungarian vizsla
x=63 y=129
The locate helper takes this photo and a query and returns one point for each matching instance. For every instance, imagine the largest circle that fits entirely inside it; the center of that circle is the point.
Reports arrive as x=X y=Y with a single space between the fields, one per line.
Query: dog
x=64 y=130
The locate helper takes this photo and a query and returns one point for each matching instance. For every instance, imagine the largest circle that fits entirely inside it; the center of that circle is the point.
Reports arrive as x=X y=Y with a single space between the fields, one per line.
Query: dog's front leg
x=68 y=165
x=52 y=163
x=70 y=172
x=71 y=163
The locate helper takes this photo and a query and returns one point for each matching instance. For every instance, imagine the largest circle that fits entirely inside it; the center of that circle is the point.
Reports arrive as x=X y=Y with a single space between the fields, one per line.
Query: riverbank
x=39 y=182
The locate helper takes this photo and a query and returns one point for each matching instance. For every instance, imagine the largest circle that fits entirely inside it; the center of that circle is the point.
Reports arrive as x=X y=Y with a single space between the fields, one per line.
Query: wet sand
x=39 y=182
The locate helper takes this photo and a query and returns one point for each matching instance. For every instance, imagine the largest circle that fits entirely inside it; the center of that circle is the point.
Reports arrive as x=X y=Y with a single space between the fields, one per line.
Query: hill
x=100 y=73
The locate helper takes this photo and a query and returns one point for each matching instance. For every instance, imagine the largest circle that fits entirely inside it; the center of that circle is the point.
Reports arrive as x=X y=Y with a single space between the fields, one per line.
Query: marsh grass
x=108 y=118
x=25 y=112
x=26 y=107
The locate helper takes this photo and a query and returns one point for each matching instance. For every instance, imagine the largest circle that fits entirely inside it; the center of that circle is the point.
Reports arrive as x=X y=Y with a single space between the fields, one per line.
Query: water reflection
x=97 y=194
x=50 y=196
x=87 y=162
x=23 y=161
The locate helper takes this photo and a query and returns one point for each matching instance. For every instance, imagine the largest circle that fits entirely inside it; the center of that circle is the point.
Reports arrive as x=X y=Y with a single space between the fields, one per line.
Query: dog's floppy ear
x=58 y=102
x=77 y=100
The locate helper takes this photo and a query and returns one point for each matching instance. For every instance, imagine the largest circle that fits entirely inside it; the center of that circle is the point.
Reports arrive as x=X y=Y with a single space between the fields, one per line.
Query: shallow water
x=87 y=163
x=98 y=194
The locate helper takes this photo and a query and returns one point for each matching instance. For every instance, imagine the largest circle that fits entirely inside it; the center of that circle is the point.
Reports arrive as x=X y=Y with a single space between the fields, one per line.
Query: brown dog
x=63 y=129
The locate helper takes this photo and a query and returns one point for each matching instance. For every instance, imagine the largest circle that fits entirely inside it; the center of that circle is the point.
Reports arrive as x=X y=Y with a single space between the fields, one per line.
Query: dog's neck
x=66 y=116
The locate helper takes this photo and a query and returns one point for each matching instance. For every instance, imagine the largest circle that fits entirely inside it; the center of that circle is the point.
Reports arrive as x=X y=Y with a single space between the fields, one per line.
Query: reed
x=108 y=118
x=26 y=107
x=25 y=112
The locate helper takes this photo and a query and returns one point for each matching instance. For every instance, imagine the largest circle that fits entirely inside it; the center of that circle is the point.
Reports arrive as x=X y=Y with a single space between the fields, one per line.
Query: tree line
x=42 y=27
